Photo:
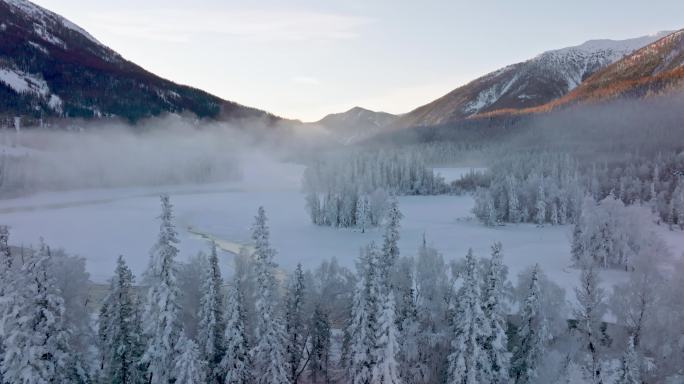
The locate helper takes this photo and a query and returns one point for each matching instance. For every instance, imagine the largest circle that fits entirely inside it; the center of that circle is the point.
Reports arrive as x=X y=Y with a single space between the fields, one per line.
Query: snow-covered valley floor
x=101 y=224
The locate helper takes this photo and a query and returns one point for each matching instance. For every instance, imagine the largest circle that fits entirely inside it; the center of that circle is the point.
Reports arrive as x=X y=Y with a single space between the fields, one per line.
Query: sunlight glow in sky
x=304 y=59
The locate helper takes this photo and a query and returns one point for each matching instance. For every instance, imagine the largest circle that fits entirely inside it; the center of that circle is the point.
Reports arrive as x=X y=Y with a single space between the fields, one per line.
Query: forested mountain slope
x=50 y=67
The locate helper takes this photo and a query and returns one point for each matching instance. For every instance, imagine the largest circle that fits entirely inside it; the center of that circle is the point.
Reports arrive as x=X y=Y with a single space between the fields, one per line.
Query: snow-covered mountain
x=653 y=69
x=51 y=67
x=355 y=124
x=534 y=82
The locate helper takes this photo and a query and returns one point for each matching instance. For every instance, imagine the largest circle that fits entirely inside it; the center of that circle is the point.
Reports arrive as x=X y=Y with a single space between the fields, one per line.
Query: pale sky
x=304 y=59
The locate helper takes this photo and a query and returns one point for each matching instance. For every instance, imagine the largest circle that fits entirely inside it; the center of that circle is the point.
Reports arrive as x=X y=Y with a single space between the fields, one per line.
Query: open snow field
x=101 y=224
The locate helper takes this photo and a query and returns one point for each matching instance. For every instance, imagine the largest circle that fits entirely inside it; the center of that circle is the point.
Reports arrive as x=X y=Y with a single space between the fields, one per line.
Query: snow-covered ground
x=101 y=224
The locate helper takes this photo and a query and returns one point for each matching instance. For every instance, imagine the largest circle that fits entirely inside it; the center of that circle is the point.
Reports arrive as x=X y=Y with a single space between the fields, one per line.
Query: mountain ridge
x=537 y=81
x=355 y=124
x=50 y=67
x=653 y=69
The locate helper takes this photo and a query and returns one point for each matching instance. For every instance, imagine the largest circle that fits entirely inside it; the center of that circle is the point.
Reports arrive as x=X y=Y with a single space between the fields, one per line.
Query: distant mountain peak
x=537 y=81
x=359 y=109
x=44 y=20
x=623 y=45
x=652 y=69
x=355 y=124
x=655 y=69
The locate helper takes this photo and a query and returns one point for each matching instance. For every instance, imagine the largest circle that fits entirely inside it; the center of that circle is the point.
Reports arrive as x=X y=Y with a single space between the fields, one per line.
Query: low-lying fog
x=162 y=151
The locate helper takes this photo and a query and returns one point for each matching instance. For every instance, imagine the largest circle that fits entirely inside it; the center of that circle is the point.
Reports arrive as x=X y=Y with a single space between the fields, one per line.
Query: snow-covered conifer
x=468 y=360
x=378 y=205
x=270 y=365
x=412 y=357
x=319 y=365
x=7 y=285
x=678 y=203
x=162 y=321
x=386 y=368
x=189 y=368
x=432 y=286
x=590 y=310
x=236 y=361
x=540 y=207
x=513 y=202
x=493 y=302
x=553 y=217
x=390 y=245
x=295 y=325
x=532 y=335
x=485 y=208
x=35 y=338
x=577 y=248
x=211 y=327
x=362 y=213
x=363 y=326
x=313 y=204
x=120 y=341
x=5 y=252
x=653 y=195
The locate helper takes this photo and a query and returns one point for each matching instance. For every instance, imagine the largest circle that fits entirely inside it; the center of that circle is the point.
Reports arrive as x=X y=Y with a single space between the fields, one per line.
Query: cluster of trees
x=549 y=188
x=610 y=234
x=412 y=323
x=44 y=324
x=530 y=188
x=657 y=181
x=353 y=189
x=399 y=319
x=240 y=333
x=438 y=153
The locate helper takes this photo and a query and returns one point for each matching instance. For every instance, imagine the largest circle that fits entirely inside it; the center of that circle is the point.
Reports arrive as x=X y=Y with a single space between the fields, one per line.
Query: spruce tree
x=590 y=310
x=236 y=361
x=295 y=325
x=432 y=297
x=653 y=195
x=386 y=351
x=386 y=368
x=577 y=248
x=532 y=335
x=678 y=202
x=211 y=327
x=493 y=302
x=269 y=352
x=162 y=320
x=313 y=204
x=362 y=213
x=36 y=341
x=189 y=368
x=390 y=245
x=6 y=284
x=319 y=365
x=540 y=213
x=513 y=202
x=121 y=343
x=5 y=252
x=410 y=357
x=468 y=360
x=364 y=324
